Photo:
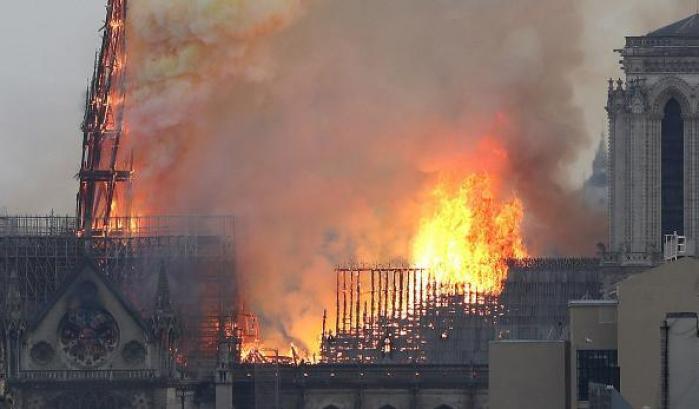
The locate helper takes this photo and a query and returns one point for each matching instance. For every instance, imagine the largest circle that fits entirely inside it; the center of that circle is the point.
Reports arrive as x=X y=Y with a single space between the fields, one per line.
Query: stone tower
x=653 y=149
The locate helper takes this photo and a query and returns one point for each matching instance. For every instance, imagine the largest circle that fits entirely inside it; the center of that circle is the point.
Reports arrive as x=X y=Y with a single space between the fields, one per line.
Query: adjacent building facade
x=644 y=302
x=640 y=351
x=593 y=347
x=532 y=374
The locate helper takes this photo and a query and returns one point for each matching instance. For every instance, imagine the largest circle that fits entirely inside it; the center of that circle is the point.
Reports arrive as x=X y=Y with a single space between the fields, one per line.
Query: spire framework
x=101 y=177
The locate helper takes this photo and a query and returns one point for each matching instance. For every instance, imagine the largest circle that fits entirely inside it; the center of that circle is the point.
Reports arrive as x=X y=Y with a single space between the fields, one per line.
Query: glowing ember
x=470 y=235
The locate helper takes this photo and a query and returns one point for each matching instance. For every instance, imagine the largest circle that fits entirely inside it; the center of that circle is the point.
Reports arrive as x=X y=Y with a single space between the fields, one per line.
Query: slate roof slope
x=687 y=27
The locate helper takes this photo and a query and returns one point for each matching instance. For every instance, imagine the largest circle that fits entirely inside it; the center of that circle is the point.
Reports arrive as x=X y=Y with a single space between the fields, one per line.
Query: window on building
x=596 y=366
x=672 y=172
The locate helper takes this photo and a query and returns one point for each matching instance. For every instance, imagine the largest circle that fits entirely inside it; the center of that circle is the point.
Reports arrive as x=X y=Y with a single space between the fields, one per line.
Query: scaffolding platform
x=403 y=315
x=198 y=253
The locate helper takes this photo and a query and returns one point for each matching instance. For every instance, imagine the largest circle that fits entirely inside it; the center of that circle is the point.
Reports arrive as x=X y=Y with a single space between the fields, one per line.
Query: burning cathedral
x=90 y=318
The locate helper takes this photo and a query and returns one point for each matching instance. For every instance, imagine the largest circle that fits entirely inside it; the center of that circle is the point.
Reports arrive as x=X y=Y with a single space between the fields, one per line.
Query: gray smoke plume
x=322 y=125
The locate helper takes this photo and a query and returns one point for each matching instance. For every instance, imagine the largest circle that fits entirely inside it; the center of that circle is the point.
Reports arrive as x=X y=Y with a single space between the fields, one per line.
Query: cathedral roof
x=687 y=27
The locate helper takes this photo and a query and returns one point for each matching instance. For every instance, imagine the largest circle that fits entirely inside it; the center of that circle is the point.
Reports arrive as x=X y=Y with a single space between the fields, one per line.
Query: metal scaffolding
x=537 y=291
x=197 y=253
x=402 y=314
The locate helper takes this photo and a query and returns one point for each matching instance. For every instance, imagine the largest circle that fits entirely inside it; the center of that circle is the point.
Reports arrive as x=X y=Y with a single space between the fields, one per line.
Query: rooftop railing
x=37 y=225
x=87 y=375
x=141 y=226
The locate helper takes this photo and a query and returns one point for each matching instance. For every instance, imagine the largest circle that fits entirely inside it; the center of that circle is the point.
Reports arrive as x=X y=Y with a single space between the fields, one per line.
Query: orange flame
x=470 y=235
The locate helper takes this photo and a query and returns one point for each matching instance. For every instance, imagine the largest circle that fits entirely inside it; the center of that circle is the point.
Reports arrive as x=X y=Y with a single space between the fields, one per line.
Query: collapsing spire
x=100 y=174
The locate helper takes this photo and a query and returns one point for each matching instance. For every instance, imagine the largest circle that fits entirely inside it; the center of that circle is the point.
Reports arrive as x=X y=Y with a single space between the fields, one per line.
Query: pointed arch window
x=672 y=169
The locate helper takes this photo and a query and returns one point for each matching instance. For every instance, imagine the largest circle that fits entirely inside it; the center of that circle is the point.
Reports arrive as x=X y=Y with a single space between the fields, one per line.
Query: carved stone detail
x=635 y=111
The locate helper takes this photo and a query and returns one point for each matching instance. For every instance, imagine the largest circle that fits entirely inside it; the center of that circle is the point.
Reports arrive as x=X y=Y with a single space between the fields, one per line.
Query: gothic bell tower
x=653 y=149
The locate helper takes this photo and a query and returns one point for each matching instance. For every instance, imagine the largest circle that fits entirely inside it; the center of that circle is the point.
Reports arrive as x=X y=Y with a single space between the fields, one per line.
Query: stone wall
x=363 y=387
x=636 y=108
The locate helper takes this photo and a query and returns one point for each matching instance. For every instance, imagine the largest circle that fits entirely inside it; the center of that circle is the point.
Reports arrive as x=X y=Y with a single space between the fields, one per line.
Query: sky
x=48 y=47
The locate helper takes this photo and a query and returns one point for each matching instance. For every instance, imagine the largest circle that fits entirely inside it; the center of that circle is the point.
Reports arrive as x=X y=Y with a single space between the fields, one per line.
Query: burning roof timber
x=403 y=314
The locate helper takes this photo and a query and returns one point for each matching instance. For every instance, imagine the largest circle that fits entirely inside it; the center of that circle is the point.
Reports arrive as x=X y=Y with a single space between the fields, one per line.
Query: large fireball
x=469 y=235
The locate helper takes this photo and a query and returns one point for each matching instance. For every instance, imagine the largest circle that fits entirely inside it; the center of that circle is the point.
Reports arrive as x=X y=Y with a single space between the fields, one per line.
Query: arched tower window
x=672 y=149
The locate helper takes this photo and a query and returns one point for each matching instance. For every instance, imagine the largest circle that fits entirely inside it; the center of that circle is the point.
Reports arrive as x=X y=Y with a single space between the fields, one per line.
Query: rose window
x=88 y=336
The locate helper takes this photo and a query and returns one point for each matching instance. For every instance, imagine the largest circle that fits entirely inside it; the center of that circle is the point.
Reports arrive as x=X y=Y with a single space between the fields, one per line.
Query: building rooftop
x=687 y=27
x=591 y=303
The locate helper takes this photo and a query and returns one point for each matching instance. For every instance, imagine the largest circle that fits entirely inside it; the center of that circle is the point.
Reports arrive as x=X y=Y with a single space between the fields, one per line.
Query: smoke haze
x=323 y=124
